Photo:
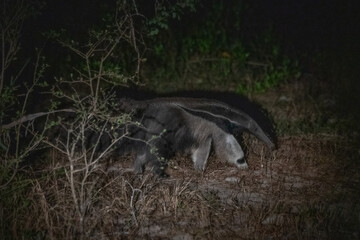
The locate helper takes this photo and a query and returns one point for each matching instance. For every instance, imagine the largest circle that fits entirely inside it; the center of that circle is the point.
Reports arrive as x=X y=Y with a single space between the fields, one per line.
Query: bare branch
x=31 y=117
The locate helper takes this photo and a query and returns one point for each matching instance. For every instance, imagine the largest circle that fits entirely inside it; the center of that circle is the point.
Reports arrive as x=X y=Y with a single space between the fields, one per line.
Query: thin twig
x=33 y=116
x=132 y=208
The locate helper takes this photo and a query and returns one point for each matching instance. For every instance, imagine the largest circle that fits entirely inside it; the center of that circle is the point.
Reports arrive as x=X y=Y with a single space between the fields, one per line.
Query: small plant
x=12 y=148
x=79 y=131
x=164 y=12
x=271 y=75
x=209 y=55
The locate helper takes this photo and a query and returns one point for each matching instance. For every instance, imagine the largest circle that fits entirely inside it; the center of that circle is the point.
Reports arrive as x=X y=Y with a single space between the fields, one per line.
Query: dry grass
x=307 y=189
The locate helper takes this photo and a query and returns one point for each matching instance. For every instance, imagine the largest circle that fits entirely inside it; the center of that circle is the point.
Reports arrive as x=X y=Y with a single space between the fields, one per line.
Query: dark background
x=322 y=35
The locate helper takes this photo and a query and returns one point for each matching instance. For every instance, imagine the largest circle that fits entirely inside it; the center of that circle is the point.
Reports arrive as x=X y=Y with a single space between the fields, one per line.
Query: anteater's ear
x=226 y=117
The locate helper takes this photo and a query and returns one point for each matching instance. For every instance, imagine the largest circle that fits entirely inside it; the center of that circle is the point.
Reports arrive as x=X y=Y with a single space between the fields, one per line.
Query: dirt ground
x=297 y=192
x=306 y=189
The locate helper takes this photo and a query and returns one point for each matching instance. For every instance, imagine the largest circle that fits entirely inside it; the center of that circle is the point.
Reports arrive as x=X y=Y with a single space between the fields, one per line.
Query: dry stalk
x=19 y=129
x=179 y=189
x=132 y=208
x=45 y=210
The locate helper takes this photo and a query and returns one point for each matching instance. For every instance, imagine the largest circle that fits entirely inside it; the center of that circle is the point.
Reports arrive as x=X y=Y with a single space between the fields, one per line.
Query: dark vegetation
x=297 y=59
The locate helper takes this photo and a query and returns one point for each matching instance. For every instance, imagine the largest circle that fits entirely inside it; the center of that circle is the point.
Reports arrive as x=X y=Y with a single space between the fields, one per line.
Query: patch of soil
x=292 y=193
x=307 y=189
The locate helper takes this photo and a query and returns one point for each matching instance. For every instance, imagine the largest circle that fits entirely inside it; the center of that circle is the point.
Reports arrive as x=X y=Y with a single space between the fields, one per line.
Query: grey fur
x=191 y=126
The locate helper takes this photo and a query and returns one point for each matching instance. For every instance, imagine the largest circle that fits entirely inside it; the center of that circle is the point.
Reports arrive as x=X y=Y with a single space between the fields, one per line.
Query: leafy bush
x=213 y=52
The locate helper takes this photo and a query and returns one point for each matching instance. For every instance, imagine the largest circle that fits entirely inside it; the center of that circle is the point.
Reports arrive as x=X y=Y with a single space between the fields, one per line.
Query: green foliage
x=207 y=50
x=209 y=54
x=16 y=87
x=272 y=67
x=166 y=12
x=270 y=77
x=7 y=98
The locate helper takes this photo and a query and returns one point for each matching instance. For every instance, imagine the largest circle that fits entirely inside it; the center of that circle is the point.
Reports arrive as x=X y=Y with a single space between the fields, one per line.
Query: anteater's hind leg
x=200 y=154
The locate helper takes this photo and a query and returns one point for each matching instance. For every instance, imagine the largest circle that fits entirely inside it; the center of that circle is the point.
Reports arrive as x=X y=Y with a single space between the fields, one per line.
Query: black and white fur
x=172 y=125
